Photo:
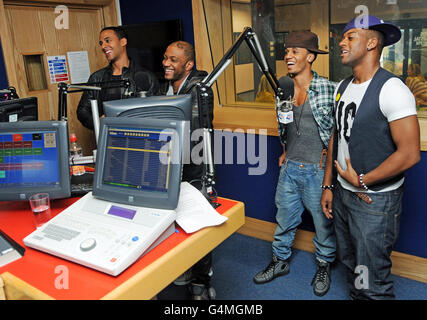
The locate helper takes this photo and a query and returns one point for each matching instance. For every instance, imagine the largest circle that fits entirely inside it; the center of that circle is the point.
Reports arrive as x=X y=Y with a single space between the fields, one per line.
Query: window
x=407 y=59
x=218 y=23
x=34 y=70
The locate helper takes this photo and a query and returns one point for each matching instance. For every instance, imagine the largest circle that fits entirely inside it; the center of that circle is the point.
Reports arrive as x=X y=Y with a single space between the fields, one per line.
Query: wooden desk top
x=40 y=274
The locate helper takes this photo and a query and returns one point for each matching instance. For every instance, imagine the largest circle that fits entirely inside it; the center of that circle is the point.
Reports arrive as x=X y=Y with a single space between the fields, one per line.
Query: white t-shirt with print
x=396 y=102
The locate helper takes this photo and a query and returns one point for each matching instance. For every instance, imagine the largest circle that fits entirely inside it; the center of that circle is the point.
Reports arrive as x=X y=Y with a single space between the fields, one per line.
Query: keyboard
x=80 y=185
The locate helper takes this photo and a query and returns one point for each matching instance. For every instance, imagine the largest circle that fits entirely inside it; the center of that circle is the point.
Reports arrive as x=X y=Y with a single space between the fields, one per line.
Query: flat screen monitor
x=174 y=107
x=33 y=159
x=24 y=109
x=139 y=162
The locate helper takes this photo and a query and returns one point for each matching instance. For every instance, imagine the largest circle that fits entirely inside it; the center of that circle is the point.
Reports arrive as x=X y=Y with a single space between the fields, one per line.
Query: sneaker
x=275 y=269
x=184 y=278
x=201 y=292
x=322 y=279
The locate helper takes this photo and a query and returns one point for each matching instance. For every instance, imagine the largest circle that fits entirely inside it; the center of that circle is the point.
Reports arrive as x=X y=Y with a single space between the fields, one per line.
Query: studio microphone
x=142 y=84
x=284 y=102
x=287 y=85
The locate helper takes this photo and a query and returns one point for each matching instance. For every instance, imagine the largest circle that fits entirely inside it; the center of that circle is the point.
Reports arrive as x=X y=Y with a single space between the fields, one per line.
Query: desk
x=38 y=275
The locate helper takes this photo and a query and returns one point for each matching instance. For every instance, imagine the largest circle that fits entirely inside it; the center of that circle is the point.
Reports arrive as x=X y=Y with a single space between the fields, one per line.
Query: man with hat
x=376 y=138
x=304 y=141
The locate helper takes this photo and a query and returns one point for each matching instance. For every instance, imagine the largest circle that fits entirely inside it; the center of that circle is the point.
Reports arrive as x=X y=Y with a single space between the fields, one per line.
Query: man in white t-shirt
x=376 y=138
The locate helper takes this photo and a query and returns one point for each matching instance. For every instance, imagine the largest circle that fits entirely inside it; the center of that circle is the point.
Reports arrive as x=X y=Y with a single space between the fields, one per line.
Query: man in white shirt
x=376 y=139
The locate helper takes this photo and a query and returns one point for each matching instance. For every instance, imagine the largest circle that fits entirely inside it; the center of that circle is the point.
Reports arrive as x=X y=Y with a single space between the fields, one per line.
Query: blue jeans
x=298 y=188
x=366 y=234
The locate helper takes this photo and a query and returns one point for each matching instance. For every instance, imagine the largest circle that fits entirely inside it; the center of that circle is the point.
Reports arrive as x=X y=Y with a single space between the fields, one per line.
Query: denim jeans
x=298 y=188
x=366 y=234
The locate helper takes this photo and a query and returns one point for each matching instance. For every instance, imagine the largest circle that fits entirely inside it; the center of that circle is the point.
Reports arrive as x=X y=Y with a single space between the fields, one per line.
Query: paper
x=194 y=212
x=79 y=66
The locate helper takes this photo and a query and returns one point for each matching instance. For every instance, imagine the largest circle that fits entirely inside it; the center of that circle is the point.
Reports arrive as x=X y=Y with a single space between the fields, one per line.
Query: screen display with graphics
x=28 y=159
x=138 y=158
x=139 y=161
x=34 y=159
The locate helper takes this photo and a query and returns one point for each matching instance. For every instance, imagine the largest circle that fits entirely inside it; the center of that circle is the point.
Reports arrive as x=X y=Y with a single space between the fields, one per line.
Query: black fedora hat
x=304 y=39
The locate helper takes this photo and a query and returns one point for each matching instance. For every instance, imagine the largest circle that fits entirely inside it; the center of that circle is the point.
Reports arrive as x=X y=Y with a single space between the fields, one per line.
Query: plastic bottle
x=75 y=152
x=75 y=149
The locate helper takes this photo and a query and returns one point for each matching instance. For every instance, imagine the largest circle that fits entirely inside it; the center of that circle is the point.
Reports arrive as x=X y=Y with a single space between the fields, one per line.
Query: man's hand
x=326 y=203
x=349 y=174
x=282 y=158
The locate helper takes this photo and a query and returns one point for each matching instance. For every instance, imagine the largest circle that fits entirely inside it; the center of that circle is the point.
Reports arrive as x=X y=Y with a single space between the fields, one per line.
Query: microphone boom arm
x=205 y=98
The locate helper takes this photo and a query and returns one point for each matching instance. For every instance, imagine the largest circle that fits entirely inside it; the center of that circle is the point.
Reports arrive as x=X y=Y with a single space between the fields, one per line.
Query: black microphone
x=287 y=85
x=284 y=103
x=142 y=83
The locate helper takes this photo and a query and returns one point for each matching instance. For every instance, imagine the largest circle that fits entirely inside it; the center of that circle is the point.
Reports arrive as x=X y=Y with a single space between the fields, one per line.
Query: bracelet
x=327 y=187
x=361 y=183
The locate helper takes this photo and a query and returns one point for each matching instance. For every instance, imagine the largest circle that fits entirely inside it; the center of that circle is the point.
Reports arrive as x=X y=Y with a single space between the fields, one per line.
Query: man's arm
x=406 y=135
x=84 y=110
x=327 y=196
x=282 y=157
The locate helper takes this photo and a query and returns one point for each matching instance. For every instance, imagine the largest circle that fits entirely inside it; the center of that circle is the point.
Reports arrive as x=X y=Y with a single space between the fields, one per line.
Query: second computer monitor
x=24 y=109
x=139 y=161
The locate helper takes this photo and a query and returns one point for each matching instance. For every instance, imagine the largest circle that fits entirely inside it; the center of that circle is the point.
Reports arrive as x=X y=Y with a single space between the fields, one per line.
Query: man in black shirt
x=113 y=42
x=181 y=78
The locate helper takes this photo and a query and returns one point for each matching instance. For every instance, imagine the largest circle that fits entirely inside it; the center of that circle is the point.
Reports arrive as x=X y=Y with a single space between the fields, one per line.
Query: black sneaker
x=322 y=279
x=202 y=292
x=275 y=269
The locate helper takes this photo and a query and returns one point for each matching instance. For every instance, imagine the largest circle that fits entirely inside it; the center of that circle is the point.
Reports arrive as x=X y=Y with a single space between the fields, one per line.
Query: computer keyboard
x=59 y=233
x=80 y=189
x=80 y=185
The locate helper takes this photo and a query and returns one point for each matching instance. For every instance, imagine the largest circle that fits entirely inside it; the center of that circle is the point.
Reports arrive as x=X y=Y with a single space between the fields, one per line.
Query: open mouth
x=168 y=71
x=290 y=64
x=108 y=52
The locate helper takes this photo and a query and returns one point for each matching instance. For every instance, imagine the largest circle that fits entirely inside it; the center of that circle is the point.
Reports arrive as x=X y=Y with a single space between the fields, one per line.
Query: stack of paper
x=194 y=212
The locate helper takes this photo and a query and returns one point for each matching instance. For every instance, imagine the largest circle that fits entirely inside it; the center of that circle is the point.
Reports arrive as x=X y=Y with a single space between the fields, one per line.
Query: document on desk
x=194 y=212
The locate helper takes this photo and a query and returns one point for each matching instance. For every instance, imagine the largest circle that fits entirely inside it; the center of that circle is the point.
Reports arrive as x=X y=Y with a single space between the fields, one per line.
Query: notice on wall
x=58 y=70
x=79 y=66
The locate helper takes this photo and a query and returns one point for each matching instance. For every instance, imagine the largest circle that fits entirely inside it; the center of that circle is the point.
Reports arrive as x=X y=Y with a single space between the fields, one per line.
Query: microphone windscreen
x=287 y=84
x=142 y=81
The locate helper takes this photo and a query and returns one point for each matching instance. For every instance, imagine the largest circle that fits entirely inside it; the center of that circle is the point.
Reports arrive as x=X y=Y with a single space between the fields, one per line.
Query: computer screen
x=24 y=109
x=139 y=161
x=174 y=107
x=33 y=159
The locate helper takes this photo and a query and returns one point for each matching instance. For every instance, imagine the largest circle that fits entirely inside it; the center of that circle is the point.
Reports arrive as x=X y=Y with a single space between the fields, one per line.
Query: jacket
x=149 y=83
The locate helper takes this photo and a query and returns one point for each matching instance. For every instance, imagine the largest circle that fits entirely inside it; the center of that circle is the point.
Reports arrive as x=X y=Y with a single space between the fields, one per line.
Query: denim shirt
x=321 y=97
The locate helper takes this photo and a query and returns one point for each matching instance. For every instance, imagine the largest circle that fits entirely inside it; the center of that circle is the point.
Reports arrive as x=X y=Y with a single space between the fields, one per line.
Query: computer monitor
x=24 y=109
x=139 y=161
x=177 y=107
x=173 y=107
x=33 y=159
